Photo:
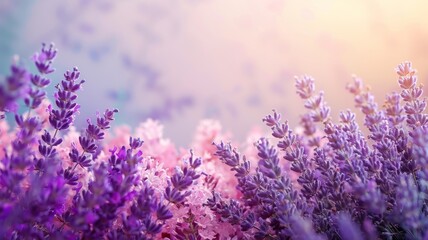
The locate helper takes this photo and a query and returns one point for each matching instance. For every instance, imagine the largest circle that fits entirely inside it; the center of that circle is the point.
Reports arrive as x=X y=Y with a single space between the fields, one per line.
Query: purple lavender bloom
x=43 y=63
x=163 y=213
x=302 y=229
x=329 y=181
x=88 y=144
x=148 y=215
x=43 y=60
x=348 y=229
x=173 y=195
x=94 y=133
x=409 y=209
x=39 y=81
x=182 y=179
x=268 y=163
x=135 y=143
x=379 y=179
x=65 y=97
x=15 y=87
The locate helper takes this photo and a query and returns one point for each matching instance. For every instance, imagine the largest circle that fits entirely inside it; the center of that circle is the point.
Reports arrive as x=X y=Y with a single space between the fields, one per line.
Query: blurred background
x=183 y=61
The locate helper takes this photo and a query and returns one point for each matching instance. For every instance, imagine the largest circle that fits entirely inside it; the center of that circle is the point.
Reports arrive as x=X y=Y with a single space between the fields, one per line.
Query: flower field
x=323 y=179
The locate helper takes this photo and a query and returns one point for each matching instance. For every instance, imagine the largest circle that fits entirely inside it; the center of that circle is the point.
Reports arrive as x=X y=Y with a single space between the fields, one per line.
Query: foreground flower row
x=325 y=180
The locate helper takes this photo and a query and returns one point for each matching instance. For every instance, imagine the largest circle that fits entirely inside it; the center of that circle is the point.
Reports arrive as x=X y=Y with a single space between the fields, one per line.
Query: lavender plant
x=48 y=194
x=348 y=186
x=325 y=180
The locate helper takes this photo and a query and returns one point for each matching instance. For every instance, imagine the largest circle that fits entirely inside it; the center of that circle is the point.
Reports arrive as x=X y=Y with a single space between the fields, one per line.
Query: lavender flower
x=89 y=146
x=63 y=117
x=347 y=228
x=380 y=182
x=43 y=63
x=15 y=87
x=329 y=181
x=176 y=192
x=43 y=60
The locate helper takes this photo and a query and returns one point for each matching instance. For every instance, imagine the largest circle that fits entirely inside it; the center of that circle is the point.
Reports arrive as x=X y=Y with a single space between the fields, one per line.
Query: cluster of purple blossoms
x=43 y=196
x=324 y=180
x=347 y=185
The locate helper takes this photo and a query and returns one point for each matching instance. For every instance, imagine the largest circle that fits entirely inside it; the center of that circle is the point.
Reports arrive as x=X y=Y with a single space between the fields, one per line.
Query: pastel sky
x=183 y=61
